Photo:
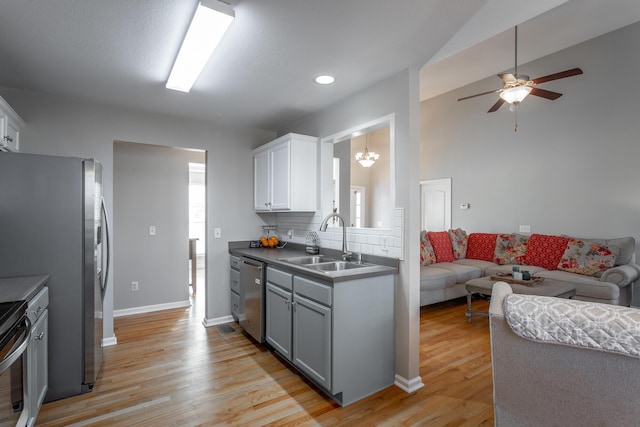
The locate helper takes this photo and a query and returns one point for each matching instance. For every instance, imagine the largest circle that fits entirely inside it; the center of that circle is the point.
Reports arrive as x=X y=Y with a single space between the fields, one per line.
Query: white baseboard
x=217 y=321
x=106 y=342
x=150 y=308
x=409 y=386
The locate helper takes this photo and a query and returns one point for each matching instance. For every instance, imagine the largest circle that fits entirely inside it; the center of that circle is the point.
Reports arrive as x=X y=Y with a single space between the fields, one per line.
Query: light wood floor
x=169 y=370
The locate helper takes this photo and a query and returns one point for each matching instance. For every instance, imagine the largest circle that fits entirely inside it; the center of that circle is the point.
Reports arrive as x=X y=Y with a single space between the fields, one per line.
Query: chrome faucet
x=323 y=227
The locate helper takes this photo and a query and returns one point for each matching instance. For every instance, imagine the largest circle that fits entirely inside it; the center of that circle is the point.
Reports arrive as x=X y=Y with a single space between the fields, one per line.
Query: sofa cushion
x=427 y=255
x=459 y=240
x=586 y=286
x=477 y=263
x=545 y=251
x=461 y=272
x=481 y=246
x=432 y=277
x=441 y=245
x=586 y=257
x=510 y=248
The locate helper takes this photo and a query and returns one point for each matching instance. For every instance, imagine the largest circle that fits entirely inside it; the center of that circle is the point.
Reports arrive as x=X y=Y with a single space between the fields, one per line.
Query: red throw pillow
x=545 y=251
x=441 y=246
x=481 y=246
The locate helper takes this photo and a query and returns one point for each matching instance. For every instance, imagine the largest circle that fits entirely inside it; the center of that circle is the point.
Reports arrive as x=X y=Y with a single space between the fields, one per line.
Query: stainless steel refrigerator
x=53 y=221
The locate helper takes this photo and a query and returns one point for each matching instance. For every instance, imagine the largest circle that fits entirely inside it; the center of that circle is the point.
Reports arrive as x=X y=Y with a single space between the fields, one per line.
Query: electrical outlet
x=217 y=233
x=385 y=243
x=134 y=286
x=152 y=230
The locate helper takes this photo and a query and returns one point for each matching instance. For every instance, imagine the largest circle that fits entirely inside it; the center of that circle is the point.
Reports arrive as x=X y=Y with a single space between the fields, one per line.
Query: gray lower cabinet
x=312 y=340
x=38 y=366
x=234 y=285
x=341 y=336
x=278 y=319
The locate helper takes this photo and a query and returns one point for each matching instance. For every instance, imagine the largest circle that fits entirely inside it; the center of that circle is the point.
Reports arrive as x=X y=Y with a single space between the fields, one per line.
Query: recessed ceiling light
x=325 y=80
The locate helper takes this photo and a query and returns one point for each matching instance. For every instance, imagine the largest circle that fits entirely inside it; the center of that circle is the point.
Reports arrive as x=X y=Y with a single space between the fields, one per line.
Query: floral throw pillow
x=441 y=246
x=510 y=248
x=459 y=241
x=427 y=255
x=588 y=258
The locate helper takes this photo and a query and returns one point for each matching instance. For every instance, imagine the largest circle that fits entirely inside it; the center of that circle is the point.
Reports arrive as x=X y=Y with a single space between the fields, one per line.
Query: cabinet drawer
x=312 y=290
x=234 y=278
x=235 y=305
x=234 y=262
x=280 y=278
x=38 y=304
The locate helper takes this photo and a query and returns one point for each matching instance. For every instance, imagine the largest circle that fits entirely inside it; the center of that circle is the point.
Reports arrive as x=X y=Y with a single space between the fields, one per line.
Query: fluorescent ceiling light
x=209 y=23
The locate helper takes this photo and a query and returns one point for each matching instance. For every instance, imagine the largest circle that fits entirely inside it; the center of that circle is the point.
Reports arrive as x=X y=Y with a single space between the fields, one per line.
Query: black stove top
x=10 y=314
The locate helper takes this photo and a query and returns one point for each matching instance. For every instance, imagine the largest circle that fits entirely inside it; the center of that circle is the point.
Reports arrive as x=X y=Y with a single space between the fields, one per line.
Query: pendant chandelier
x=367 y=158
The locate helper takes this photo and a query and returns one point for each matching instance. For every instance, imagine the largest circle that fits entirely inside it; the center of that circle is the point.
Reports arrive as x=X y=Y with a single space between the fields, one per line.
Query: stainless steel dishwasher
x=252 y=297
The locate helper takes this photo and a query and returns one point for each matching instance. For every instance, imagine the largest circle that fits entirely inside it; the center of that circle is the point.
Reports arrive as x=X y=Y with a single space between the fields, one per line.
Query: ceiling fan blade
x=480 y=94
x=560 y=75
x=497 y=105
x=545 y=93
x=508 y=78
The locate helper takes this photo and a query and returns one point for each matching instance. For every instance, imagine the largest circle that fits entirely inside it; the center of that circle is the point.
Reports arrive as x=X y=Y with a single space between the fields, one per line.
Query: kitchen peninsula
x=336 y=326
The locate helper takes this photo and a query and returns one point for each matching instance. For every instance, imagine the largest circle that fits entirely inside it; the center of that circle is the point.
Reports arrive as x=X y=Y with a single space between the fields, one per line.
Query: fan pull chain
x=515 y=128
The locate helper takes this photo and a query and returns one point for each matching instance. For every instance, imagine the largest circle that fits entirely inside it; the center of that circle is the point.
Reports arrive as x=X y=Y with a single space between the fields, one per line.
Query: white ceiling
x=120 y=51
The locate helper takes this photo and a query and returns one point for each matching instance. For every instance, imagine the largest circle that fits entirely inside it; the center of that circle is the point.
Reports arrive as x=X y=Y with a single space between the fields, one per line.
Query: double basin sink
x=323 y=264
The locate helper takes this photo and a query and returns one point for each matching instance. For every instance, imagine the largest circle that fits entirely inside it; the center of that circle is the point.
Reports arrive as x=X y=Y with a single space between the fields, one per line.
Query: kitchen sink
x=308 y=260
x=335 y=266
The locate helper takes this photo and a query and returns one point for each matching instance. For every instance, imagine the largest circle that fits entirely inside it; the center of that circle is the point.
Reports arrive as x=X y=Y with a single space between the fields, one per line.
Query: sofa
x=602 y=270
x=560 y=362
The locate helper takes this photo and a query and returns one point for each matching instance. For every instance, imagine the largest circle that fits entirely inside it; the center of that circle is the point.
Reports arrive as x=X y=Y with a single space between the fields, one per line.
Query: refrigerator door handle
x=108 y=248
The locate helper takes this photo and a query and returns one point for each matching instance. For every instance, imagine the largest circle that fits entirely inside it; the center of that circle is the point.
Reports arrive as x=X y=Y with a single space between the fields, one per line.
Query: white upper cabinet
x=285 y=174
x=10 y=124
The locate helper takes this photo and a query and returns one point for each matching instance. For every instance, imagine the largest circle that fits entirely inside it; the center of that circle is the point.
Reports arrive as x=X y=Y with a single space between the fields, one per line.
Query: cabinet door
x=312 y=340
x=37 y=365
x=278 y=319
x=280 y=159
x=261 y=181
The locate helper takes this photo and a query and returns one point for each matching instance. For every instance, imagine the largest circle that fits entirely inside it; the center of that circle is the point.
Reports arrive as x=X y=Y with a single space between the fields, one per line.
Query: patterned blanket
x=602 y=327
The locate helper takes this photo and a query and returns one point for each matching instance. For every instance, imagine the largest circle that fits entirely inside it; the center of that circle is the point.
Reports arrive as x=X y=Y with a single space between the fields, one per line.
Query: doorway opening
x=197 y=225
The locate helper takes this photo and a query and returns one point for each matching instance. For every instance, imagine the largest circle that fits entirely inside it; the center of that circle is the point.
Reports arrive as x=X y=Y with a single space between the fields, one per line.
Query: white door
x=436 y=204
x=357 y=206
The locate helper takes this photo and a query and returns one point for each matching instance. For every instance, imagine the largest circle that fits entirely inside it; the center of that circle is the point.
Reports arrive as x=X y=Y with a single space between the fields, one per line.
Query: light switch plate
x=152 y=230
x=525 y=229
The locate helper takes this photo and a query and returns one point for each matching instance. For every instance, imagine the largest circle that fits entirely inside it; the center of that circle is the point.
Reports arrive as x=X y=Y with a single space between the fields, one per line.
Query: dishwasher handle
x=257 y=264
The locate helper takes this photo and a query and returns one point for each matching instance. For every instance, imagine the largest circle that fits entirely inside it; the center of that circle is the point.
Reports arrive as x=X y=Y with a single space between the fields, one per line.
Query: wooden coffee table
x=549 y=288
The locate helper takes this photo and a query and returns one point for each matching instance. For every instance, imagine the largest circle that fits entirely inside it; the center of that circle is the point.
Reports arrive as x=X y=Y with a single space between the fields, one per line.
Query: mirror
x=364 y=196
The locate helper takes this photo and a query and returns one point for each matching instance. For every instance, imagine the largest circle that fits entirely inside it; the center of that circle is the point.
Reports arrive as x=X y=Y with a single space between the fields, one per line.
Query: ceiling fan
x=517 y=86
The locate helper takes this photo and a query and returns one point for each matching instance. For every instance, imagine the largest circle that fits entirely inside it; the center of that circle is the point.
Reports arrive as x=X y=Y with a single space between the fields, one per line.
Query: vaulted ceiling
x=120 y=52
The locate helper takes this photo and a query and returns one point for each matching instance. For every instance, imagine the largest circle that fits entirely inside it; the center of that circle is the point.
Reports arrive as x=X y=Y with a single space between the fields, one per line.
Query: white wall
x=69 y=127
x=572 y=167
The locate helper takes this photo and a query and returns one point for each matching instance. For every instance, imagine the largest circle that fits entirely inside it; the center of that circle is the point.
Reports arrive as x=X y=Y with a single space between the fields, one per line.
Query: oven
x=14 y=339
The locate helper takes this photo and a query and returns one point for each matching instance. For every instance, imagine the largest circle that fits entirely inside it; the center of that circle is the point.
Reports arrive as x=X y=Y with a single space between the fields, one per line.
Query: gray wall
x=571 y=168
x=397 y=94
x=69 y=127
x=151 y=187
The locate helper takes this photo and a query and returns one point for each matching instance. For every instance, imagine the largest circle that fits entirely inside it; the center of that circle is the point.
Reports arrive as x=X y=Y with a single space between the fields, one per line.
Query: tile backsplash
x=381 y=242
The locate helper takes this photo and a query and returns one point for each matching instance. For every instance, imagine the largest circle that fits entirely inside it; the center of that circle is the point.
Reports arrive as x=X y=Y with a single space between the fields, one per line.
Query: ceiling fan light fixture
x=209 y=24
x=515 y=95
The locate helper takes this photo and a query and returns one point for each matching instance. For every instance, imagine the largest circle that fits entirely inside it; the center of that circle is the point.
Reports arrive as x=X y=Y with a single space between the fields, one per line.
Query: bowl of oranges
x=269 y=241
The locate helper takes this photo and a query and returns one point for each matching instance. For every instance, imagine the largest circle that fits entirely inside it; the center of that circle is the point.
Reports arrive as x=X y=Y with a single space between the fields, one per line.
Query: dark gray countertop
x=273 y=256
x=21 y=288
